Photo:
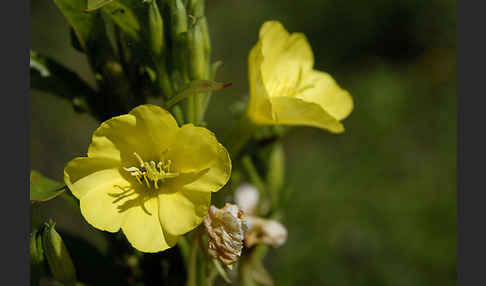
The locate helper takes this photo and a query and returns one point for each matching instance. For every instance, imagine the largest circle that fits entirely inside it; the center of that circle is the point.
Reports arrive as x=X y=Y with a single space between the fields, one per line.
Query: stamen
x=151 y=172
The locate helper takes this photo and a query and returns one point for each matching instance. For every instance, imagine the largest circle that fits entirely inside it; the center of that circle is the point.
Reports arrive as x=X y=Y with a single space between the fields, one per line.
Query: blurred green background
x=373 y=206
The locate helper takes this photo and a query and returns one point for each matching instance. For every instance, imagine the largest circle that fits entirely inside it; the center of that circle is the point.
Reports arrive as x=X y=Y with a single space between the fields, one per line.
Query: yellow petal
x=147 y=130
x=259 y=106
x=319 y=87
x=295 y=111
x=182 y=211
x=159 y=124
x=84 y=174
x=286 y=56
x=104 y=206
x=143 y=229
x=207 y=180
x=195 y=149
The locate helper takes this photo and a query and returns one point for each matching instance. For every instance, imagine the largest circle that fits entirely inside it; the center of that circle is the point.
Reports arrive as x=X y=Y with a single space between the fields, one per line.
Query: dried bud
x=226 y=229
x=246 y=197
x=266 y=231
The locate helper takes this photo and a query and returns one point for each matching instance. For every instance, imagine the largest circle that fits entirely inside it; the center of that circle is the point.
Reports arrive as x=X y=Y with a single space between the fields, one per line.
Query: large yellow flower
x=149 y=177
x=284 y=87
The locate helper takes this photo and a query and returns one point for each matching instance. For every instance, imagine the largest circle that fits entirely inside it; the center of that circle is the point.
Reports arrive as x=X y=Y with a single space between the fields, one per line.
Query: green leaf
x=96 y=4
x=43 y=189
x=195 y=87
x=122 y=14
x=89 y=29
x=49 y=76
x=84 y=24
x=125 y=17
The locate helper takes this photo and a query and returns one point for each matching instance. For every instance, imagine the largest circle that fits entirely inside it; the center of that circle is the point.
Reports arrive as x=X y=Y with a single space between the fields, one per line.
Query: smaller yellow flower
x=284 y=87
x=148 y=176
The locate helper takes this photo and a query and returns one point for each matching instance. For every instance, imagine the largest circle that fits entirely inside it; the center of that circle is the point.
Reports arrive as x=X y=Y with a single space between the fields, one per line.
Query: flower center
x=151 y=172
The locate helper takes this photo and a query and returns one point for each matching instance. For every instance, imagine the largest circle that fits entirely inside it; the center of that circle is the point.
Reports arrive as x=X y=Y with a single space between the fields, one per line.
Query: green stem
x=190 y=110
x=254 y=177
x=192 y=265
x=239 y=135
x=197 y=109
x=244 y=272
x=184 y=248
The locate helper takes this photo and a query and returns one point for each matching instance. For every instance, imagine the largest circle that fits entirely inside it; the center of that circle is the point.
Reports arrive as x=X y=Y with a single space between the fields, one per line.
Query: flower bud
x=198 y=41
x=198 y=60
x=156 y=28
x=266 y=231
x=60 y=262
x=178 y=26
x=246 y=197
x=226 y=229
x=37 y=261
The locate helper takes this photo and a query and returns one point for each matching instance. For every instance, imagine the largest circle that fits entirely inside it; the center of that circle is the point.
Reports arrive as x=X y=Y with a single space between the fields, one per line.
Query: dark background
x=373 y=206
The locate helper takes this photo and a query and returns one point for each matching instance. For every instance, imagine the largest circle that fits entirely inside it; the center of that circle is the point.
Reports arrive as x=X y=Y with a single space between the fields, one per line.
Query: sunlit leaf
x=124 y=16
x=94 y=5
x=42 y=188
x=84 y=24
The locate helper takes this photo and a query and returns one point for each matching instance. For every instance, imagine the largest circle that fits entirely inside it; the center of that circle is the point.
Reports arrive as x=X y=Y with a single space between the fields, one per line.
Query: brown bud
x=226 y=229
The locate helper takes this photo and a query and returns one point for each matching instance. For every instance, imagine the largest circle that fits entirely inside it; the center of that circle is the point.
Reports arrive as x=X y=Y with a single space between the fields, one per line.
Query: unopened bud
x=246 y=197
x=266 y=231
x=57 y=255
x=226 y=229
x=178 y=30
x=156 y=28
x=198 y=60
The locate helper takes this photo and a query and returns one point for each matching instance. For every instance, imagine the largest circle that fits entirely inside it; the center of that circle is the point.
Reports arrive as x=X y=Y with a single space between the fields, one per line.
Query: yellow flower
x=148 y=176
x=284 y=87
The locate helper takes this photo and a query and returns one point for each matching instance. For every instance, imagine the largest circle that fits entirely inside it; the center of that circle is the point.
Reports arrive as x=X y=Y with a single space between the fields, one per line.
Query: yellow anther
x=151 y=171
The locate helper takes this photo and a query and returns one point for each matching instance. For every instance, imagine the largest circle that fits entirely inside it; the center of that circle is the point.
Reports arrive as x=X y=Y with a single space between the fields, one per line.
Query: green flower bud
x=57 y=255
x=198 y=61
x=156 y=29
x=37 y=261
x=178 y=26
x=178 y=17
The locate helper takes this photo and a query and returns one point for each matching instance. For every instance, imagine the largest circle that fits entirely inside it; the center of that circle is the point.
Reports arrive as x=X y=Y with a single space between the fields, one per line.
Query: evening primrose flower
x=148 y=176
x=284 y=87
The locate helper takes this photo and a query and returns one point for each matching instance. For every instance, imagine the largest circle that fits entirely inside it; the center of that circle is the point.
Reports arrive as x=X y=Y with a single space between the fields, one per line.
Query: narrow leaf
x=195 y=87
x=43 y=189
